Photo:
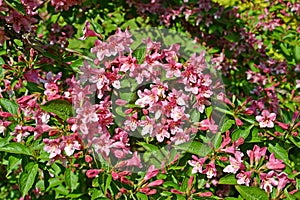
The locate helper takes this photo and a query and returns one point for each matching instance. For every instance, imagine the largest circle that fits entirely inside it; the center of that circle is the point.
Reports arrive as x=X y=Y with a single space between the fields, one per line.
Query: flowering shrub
x=99 y=101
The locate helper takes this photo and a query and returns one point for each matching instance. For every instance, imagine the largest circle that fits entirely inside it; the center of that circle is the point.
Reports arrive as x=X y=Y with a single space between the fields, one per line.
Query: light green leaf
x=16 y=148
x=227 y=125
x=228 y=180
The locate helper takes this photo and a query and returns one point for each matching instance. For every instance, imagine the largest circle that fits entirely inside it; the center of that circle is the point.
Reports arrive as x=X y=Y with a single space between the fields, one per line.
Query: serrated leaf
x=251 y=193
x=9 y=106
x=16 y=148
x=27 y=178
x=62 y=108
x=228 y=180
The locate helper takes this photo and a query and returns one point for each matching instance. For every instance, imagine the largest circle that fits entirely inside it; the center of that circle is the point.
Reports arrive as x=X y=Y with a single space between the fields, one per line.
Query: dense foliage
x=129 y=99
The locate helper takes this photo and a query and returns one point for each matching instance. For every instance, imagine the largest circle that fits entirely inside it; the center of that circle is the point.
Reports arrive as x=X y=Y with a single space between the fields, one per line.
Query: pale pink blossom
x=266 y=119
x=197 y=164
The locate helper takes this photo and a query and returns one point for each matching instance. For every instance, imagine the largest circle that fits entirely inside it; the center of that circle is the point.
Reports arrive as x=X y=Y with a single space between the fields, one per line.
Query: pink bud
x=177 y=191
x=282 y=125
x=5 y=114
x=92 y=173
x=155 y=183
x=238 y=122
x=88 y=159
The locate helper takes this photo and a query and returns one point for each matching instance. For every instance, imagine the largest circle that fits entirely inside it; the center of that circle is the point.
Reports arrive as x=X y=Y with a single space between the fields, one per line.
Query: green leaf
x=289 y=196
x=27 y=178
x=62 y=108
x=251 y=193
x=141 y=196
x=16 y=5
x=33 y=87
x=217 y=140
x=71 y=179
x=228 y=180
x=241 y=133
x=279 y=152
x=13 y=162
x=297 y=53
x=284 y=49
x=227 y=125
x=9 y=106
x=140 y=54
x=16 y=148
x=195 y=115
x=196 y=148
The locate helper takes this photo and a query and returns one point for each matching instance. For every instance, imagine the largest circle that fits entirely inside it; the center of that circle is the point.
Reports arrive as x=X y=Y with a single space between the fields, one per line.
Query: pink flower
x=235 y=163
x=70 y=144
x=268 y=181
x=266 y=119
x=52 y=146
x=87 y=32
x=256 y=154
x=243 y=178
x=197 y=164
x=152 y=172
x=155 y=183
x=297 y=84
x=282 y=180
x=274 y=163
x=210 y=170
x=208 y=124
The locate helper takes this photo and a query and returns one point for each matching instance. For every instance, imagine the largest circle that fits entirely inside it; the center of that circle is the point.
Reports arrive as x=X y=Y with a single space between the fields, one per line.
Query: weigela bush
x=86 y=113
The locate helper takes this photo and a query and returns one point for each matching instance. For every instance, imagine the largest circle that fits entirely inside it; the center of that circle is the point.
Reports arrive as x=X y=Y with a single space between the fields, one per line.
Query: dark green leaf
x=140 y=54
x=27 y=178
x=62 y=108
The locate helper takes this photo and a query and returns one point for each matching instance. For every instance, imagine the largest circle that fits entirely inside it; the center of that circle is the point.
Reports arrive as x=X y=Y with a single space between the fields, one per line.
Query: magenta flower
x=274 y=163
x=88 y=32
x=266 y=119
